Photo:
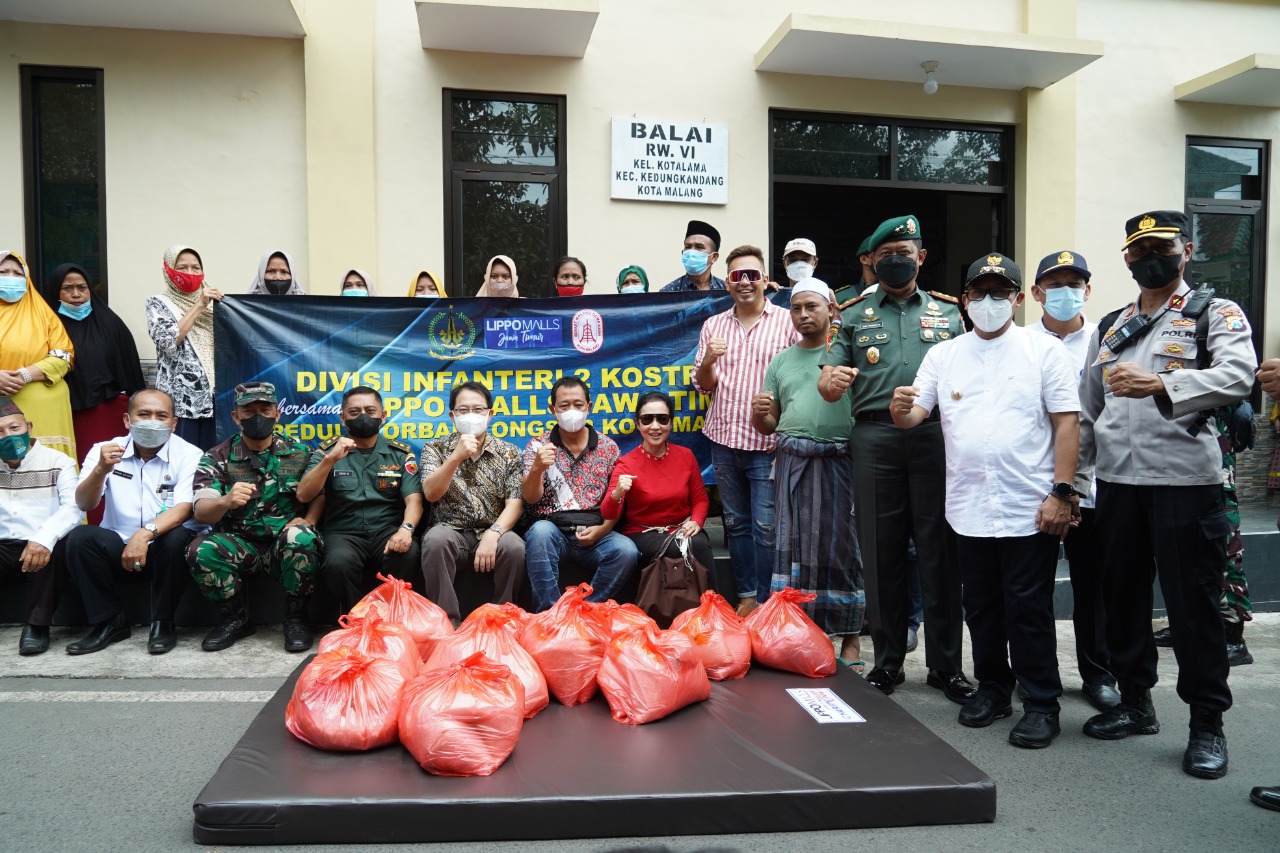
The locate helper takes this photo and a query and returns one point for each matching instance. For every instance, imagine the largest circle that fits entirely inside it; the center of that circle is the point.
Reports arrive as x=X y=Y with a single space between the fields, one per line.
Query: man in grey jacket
x=1145 y=434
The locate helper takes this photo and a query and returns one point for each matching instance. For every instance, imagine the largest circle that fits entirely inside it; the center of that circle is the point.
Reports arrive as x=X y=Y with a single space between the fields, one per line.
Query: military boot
x=297 y=633
x=1206 y=755
x=235 y=625
x=1135 y=715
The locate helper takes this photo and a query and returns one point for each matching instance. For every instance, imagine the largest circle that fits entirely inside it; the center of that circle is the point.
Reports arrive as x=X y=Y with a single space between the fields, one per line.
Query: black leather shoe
x=956 y=687
x=1238 y=654
x=34 y=640
x=1121 y=721
x=163 y=637
x=1035 y=730
x=1206 y=756
x=1268 y=798
x=235 y=625
x=1104 y=697
x=1163 y=638
x=913 y=641
x=113 y=630
x=885 y=680
x=981 y=712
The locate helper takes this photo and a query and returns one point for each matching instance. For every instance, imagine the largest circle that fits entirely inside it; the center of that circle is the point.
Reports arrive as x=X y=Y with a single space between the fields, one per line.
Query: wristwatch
x=152 y=529
x=407 y=526
x=1065 y=491
x=497 y=528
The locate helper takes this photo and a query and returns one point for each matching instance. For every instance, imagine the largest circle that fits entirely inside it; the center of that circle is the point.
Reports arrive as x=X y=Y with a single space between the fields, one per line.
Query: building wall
x=205 y=144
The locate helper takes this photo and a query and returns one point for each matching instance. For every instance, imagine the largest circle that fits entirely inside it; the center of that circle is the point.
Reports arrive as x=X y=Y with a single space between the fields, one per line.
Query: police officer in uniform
x=247 y=485
x=1156 y=370
x=372 y=500
x=900 y=475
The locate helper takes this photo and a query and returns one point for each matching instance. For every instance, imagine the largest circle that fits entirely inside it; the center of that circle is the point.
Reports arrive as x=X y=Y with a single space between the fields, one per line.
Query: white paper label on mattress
x=824 y=705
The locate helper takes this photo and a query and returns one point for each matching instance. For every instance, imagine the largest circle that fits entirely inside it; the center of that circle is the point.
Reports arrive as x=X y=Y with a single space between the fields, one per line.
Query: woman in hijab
x=35 y=356
x=500 y=278
x=427 y=285
x=633 y=280
x=180 y=322
x=357 y=283
x=107 y=369
x=275 y=276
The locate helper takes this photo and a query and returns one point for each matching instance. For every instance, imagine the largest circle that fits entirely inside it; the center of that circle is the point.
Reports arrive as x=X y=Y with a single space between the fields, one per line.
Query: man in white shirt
x=1010 y=422
x=37 y=508
x=1062 y=287
x=145 y=477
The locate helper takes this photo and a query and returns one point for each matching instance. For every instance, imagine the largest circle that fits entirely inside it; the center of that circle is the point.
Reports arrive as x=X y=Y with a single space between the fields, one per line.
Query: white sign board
x=670 y=161
x=824 y=705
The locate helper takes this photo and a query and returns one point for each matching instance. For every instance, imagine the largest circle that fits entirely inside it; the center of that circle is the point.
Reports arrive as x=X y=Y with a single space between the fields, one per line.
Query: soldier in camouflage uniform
x=247 y=486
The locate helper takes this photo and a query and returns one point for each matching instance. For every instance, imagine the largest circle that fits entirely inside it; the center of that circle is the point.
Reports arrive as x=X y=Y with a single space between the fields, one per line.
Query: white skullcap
x=812 y=285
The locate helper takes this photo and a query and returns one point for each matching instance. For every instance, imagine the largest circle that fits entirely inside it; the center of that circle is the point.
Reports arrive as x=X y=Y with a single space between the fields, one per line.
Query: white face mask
x=471 y=423
x=632 y=288
x=798 y=271
x=990 y=314
x=571 y=420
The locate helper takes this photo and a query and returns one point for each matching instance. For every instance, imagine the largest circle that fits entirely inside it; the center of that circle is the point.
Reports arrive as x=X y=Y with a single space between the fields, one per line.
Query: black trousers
x=900 y=493
x=1089 y=612
x=350 y=563
x=1180 y=532
x=44 y=586
x=1008 y=604
x=93 y=559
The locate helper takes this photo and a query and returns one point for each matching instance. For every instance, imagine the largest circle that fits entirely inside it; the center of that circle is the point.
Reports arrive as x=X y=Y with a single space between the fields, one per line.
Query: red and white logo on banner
x=588 y=331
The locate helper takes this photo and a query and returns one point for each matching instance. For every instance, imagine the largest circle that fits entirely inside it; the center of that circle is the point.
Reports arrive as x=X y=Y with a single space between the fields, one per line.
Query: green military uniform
x=254 y=537
x=364 y=502
x=852 y=291
x=900 y=475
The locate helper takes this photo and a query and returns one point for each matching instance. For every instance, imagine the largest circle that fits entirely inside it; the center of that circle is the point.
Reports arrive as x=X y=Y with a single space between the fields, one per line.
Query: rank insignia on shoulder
x=854 y=301
x=399 y=445
x=326 y=445
x=945 y=297
x=1104 y=354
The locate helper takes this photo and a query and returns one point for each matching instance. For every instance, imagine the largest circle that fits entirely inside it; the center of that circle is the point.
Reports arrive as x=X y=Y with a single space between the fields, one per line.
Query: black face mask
x=363 y=426
x=257 y=427
x=896 y=270
x=278 y=288
x=1155 y=271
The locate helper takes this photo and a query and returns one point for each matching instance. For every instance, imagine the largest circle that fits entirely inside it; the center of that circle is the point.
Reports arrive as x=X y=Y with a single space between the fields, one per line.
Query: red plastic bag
x=513 y=617
x=624 y=617
x=396 y=601
x=464 y=719
x=376 y=637
x=346 y=700
x=568 y=641
x=721 y=640
x=647 y=675
x=784 y=637
x=494 y=630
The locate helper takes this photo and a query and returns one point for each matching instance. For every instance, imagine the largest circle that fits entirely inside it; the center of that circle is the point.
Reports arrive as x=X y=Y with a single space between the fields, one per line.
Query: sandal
x=857 y=666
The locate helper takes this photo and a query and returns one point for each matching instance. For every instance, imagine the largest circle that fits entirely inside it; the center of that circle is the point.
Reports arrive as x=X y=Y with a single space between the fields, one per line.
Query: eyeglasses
x=648 y=419
x=473 y=410
x=752 y=276
x=997 y=293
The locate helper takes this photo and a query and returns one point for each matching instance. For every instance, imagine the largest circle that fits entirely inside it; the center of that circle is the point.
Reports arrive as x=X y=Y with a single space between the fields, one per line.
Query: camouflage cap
x=899 y=228
x=252 y=392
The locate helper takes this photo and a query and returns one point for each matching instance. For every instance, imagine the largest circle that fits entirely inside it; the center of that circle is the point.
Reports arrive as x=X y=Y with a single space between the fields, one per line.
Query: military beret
x=899 y=228
x=1165 y=224
x=864 y=248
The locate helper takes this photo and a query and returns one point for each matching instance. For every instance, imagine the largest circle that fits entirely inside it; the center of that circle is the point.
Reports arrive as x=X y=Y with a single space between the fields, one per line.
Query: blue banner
x=413 y=351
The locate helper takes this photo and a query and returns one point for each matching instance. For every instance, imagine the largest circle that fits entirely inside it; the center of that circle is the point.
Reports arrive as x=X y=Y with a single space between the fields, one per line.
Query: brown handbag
x=671 y=585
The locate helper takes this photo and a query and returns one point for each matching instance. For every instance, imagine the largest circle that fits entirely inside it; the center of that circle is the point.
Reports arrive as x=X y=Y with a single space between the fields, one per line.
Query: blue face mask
x=75 y=312
x=355 y=291
x=1063 y=303
x=12 y=287
x=695 y=262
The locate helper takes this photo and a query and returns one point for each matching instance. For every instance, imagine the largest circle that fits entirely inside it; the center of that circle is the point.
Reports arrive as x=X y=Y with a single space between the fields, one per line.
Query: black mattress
x=750 y=759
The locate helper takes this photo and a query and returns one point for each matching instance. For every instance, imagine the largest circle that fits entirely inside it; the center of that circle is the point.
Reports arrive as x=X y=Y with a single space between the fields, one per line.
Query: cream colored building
x=325 y=128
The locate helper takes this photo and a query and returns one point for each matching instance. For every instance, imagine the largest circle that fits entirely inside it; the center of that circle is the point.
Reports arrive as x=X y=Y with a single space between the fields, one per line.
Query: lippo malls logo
x=588 y=331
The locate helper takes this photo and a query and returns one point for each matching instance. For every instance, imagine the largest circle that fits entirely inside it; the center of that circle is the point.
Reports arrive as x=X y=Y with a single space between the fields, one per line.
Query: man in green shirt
x=815 y=547
x=900 y=475
x=372 y=500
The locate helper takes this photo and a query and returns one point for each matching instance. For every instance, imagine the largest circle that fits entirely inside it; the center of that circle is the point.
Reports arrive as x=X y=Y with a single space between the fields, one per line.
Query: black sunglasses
x=662 y=419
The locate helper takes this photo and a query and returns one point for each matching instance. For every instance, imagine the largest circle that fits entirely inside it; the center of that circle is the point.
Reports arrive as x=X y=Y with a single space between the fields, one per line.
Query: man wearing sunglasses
x=1011 y=426
x=734 y=351
x=900 y=475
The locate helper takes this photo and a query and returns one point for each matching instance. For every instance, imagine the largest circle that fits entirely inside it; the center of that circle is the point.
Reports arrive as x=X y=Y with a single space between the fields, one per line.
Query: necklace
x=651 y=456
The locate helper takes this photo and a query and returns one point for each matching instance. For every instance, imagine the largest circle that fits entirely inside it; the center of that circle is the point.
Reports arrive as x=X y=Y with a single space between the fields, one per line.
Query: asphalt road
x=108 y=752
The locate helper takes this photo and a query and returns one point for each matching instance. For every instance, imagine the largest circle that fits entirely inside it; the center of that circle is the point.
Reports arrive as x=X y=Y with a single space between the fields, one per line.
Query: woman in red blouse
x=657 y=488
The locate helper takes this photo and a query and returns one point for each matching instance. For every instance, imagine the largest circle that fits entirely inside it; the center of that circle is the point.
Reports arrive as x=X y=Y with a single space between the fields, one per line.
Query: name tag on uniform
x=342 y=473
x=116 y=472
x=860 y=326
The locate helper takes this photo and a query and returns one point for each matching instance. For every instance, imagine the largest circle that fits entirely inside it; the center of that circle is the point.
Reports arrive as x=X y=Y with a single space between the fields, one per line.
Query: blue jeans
x=745 y=480
x=613 y=559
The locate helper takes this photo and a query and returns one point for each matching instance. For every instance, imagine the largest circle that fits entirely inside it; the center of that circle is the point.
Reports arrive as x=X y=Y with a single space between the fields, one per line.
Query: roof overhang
x=274 y=18
x=1253 y=81
x=884 y=50
x=525 y=27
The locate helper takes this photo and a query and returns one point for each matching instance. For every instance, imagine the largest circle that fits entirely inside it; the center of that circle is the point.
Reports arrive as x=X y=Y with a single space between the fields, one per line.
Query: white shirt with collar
x=1077 y=344
x=136 y=491
x=38 y=498
x=995 y=397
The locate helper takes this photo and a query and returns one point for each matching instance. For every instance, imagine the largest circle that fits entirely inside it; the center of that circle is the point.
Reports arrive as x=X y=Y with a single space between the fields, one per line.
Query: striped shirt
x=740 y=373
x=38 y=498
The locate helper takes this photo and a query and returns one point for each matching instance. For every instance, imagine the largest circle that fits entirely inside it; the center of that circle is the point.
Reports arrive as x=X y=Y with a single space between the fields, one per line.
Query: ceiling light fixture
x=930 y=84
